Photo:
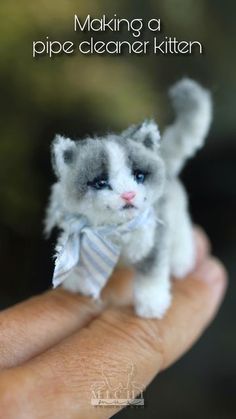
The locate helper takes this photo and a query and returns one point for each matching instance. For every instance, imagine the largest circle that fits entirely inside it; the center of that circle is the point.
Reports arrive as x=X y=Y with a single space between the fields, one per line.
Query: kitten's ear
x=147 y=133
x=63 y=154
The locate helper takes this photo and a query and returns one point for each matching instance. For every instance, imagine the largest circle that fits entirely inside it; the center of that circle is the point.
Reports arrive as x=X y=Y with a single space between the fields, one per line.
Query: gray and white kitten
x=114 y=178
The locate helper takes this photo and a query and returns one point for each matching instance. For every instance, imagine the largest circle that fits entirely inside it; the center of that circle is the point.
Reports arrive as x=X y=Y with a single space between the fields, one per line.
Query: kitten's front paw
x=86 y=287
x=153 y=304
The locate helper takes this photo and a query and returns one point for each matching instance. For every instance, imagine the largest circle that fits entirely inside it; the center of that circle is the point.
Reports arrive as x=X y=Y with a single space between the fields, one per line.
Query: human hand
x=53 y=346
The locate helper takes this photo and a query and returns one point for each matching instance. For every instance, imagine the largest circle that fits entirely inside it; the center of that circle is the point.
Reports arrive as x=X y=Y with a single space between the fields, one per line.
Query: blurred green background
x=79 y=95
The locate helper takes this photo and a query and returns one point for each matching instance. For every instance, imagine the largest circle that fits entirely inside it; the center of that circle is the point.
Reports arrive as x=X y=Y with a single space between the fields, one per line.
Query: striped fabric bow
x=91 y=252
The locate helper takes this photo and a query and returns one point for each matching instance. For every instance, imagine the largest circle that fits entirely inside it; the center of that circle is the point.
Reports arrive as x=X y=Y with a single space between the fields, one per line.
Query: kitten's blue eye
x=99 y=183
x=140 y=176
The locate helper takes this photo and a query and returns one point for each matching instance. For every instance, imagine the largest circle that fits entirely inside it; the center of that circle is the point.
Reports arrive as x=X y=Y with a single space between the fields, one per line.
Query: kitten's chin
x=128 y=212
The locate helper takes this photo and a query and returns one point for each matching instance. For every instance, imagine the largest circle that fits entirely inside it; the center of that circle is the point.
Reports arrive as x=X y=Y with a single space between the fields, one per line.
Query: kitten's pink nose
x=128 y=196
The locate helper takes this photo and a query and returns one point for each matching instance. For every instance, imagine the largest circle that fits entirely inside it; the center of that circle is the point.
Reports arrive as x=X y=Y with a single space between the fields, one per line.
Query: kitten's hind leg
x=183 y=252
x=152 y=294
x=182 y=245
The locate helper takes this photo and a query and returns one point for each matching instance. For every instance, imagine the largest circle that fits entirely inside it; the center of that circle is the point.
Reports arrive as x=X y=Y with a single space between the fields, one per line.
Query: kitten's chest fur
x=136 y=244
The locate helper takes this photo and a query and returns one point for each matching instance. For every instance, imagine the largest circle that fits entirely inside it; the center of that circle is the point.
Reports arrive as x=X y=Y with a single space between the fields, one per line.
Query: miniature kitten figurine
x=118 y=199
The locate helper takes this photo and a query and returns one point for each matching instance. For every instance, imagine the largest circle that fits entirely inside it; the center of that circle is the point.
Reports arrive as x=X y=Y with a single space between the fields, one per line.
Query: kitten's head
x=110 y=179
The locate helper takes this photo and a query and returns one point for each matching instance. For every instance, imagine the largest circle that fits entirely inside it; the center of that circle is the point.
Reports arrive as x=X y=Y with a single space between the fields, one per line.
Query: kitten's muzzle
x=128 y=197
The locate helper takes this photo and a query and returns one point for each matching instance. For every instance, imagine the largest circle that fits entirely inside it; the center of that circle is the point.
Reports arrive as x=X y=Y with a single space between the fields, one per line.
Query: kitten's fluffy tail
x=193 y=107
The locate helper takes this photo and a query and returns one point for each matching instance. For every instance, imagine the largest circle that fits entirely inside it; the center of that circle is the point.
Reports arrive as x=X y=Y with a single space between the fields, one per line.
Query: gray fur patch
x=68 y=156
x=148 y=264
x=53 y=162
x=148 y=141
x=92 y=162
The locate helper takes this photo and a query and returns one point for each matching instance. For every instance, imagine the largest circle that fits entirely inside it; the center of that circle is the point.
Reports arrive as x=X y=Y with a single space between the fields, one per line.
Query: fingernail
x=210 y=271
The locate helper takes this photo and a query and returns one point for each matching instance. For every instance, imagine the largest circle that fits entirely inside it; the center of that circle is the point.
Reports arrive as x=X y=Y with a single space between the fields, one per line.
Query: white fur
x=182 y=243
x=120 y=176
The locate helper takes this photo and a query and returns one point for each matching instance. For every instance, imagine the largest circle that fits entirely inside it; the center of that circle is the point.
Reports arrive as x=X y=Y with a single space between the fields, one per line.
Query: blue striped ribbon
x=93 y=252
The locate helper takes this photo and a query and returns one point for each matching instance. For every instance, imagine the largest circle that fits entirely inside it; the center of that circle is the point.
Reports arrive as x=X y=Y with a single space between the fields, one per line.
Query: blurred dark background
x=81 y=95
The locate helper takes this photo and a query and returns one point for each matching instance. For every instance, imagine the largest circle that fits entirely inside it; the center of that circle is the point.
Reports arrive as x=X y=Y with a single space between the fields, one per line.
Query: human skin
x=52 y=346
